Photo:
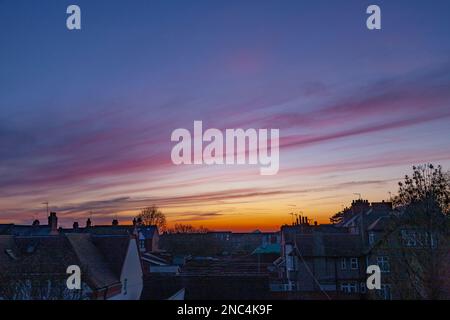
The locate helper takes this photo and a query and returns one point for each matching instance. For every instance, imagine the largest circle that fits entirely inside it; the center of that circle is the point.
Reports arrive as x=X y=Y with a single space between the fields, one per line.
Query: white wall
x=131 y=276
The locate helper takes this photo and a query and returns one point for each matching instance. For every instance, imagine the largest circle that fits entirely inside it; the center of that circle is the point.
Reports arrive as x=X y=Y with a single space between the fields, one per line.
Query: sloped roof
x=45 y=254
x=274 y=248
x=25 y=230
x=8 y=250
x=91 y=258
x=101 y=257
x=114 y=248
x=103 y=230
x=380 y=224
x=329 y=245
x=5 y=228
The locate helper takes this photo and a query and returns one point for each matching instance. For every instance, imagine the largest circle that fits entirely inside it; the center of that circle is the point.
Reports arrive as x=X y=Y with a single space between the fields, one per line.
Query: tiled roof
x=114 y=249
x=103 y=230
x=5 y=228
x=100 y=257
x=25 y=230
x=380 y=224
x=90 y=256
x=329 y=245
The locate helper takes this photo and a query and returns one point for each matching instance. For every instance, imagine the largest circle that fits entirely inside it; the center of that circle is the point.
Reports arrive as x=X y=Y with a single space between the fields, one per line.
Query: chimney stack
x=88 y=223
x=53 y=222
x=115 y=222
x=75 y=225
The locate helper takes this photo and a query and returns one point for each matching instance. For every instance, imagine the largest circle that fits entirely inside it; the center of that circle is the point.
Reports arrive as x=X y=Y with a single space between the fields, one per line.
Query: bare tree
x=152 y=216
x=427 y=186
x=419 y=235
x=187 y=228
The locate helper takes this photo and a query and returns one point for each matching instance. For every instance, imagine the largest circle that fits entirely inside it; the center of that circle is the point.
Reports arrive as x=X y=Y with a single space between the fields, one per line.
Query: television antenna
x=358 y=194
x=46 y=203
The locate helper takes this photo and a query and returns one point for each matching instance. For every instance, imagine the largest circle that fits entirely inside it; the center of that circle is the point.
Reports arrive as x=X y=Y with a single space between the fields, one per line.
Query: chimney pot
x=53 y=222
x=88 y=223
x=75 y=225
x=115 y=222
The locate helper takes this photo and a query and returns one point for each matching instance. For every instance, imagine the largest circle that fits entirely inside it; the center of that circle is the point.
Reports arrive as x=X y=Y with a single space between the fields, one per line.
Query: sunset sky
x=86 y=116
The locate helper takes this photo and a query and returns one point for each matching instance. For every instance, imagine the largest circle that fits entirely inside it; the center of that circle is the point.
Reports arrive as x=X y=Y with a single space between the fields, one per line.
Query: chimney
x=115 y=222
x=53 y=222
x=75 y=225
x=36 y=223
x=88 y=223
x=134 y=221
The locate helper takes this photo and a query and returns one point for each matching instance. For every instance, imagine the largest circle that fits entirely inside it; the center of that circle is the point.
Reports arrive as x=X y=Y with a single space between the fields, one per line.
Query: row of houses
x=330 y=261
x=302 y=261
x=113 y=260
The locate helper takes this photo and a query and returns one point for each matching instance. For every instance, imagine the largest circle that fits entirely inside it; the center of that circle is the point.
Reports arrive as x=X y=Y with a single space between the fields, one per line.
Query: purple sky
x=86 y=116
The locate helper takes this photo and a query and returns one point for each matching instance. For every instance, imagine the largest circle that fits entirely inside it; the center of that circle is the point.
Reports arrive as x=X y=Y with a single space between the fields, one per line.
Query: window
x=371 y=238
x=430 y=240
x=353 y=263
x=343 y=263
x=349 y=287
x=363 y=287
x=290 y=263
x=125 y=283
x=409 y=238
x=385 y=292
x=142 y=244
x=383 y=263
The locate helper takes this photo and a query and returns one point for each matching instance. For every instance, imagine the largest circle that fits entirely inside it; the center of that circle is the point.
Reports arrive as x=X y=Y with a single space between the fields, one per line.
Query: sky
x=86 y=115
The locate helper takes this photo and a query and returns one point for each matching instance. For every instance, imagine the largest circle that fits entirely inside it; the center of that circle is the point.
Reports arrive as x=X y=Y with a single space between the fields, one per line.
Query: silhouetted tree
x=150 y=216
x=428 y=185
x=421 y=233
x=187 y=228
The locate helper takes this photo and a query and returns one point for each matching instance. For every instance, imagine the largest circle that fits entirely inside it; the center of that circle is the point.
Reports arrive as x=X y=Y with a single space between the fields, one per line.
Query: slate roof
x=329 y=245
x=24 y=230
x=101 y=257
x=103 y=230
x=380 y=224
x=90 y=256
x=114 y=249
x=38 y=255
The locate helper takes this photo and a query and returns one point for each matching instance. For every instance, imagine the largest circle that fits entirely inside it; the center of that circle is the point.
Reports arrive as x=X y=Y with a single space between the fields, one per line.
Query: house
x=37 y=257
x=412 y=255
x=410 y=245
x=321 y=265
x=110 y=266
x=156 y=263
x=148 y=237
